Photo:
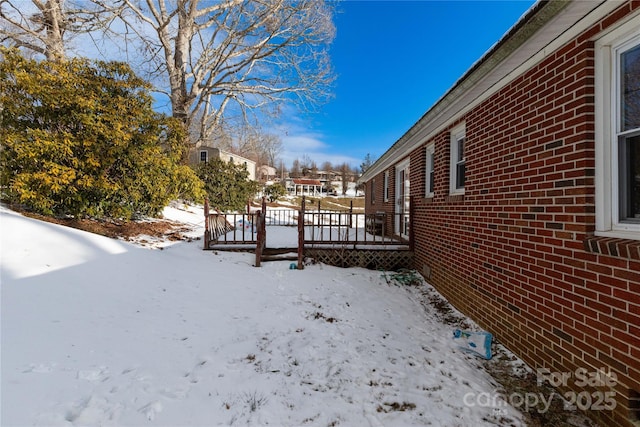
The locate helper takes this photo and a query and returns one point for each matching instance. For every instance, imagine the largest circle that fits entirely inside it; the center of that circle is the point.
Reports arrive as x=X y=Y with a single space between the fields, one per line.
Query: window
x=230 y=159
x=430 y=171
x=457 y=169
x=629 y=135
x=386 y=186
x=618 y=133
x=204 y=156
x=373 y=191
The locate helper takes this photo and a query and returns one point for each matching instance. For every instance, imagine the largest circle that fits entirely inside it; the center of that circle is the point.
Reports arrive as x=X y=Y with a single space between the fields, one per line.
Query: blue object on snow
x=475 y=342
x=293 y=266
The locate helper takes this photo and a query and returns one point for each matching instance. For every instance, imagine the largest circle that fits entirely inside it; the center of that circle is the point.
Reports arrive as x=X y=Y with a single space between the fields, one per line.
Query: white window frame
x=402 y=198
x=429 y=169
x=386 y=186
x=457 y=133
x=607 y=112
x=206 y=156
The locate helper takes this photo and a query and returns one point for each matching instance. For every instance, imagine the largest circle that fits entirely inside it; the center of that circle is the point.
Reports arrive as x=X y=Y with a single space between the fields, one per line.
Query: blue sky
x=394 y=60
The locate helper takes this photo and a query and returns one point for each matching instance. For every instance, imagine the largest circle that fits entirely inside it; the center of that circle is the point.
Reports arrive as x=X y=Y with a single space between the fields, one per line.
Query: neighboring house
x=328 y=176
x=267 y=173
x=521 y=187
x=305 y=187
x=203 y=153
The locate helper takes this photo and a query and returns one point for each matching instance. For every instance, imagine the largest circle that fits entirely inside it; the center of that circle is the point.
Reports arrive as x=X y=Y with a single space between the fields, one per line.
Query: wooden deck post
x=351 y=214
x=261 y=237
x=206 y=224
x=301 y=235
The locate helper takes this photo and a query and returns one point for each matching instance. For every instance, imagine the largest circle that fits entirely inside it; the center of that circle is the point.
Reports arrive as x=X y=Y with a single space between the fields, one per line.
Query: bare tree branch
x=46 y=26
x=238 y=55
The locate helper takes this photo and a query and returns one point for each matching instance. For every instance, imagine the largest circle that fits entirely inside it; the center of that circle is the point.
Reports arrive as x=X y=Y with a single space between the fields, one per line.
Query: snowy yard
x=97 y=331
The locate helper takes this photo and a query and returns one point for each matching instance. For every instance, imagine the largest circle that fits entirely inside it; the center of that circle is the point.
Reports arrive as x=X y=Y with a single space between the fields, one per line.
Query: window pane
x=430 y=171
x=373 y=191
x=630 y=62
x=431 y=181
x=460 y=170
x=461 y=149
x=630 y=179
x=634 y=177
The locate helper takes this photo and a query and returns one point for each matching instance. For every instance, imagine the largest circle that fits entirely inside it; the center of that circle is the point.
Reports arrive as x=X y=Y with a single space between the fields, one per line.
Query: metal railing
x=285 y=217
x=321 y=227
x=229 y=228
x=346 y=228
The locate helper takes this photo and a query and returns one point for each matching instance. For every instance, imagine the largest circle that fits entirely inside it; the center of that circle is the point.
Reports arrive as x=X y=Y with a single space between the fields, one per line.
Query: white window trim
x=606 y=117
x=386 y=186
x=429 y=154
x=456 y=133
x=206 y=156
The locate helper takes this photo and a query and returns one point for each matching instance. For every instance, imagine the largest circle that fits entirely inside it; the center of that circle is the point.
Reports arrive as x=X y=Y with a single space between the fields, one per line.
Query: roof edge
x=529 y=23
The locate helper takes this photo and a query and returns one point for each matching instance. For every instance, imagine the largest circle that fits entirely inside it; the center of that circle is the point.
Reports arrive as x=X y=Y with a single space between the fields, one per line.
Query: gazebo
x=307 y=187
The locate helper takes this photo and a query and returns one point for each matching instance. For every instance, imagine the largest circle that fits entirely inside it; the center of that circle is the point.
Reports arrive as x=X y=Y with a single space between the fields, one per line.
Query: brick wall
x=380 y=205
x=516 y=252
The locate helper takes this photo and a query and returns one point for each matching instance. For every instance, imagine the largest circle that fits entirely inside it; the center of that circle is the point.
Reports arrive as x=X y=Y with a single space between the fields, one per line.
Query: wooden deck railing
x=348 y=229
x=229 y=228
x=316 y=228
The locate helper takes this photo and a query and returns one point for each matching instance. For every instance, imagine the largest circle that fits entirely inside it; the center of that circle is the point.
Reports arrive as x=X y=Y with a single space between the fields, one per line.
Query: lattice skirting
x=373 y=259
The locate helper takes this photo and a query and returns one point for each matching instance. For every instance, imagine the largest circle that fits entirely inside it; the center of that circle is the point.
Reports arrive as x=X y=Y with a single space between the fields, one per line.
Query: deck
x=336 y=237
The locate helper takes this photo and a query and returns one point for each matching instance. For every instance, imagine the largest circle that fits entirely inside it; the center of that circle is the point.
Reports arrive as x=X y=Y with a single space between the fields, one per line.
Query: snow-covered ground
x=98 y=331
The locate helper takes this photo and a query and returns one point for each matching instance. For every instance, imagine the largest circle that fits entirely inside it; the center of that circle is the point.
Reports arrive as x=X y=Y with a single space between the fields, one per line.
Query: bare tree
x=254 y=143
x=345 y=171
x=45 y=27
x=327 y=166
x=295 y=170
x=282 y=170
x=40 y=29
x=235 y=56
x=313 y=170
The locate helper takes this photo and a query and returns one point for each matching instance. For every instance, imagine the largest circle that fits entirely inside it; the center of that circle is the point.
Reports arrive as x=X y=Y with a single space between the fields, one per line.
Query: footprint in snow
x=40 y=368
x=97 y=374
x=93 y=410
x=151 y=409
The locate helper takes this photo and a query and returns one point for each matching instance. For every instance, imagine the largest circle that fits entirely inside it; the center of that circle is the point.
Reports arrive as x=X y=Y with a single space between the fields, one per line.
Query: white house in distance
x=204 y=153
x=267 y=173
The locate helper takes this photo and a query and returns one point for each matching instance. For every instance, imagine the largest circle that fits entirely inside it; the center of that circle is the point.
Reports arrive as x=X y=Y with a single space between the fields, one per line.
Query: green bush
x=274 y=191
x=81 y=139
x=226 y=184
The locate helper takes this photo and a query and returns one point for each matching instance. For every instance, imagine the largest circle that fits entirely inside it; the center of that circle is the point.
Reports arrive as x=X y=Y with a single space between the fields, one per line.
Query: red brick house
x=524 y=180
